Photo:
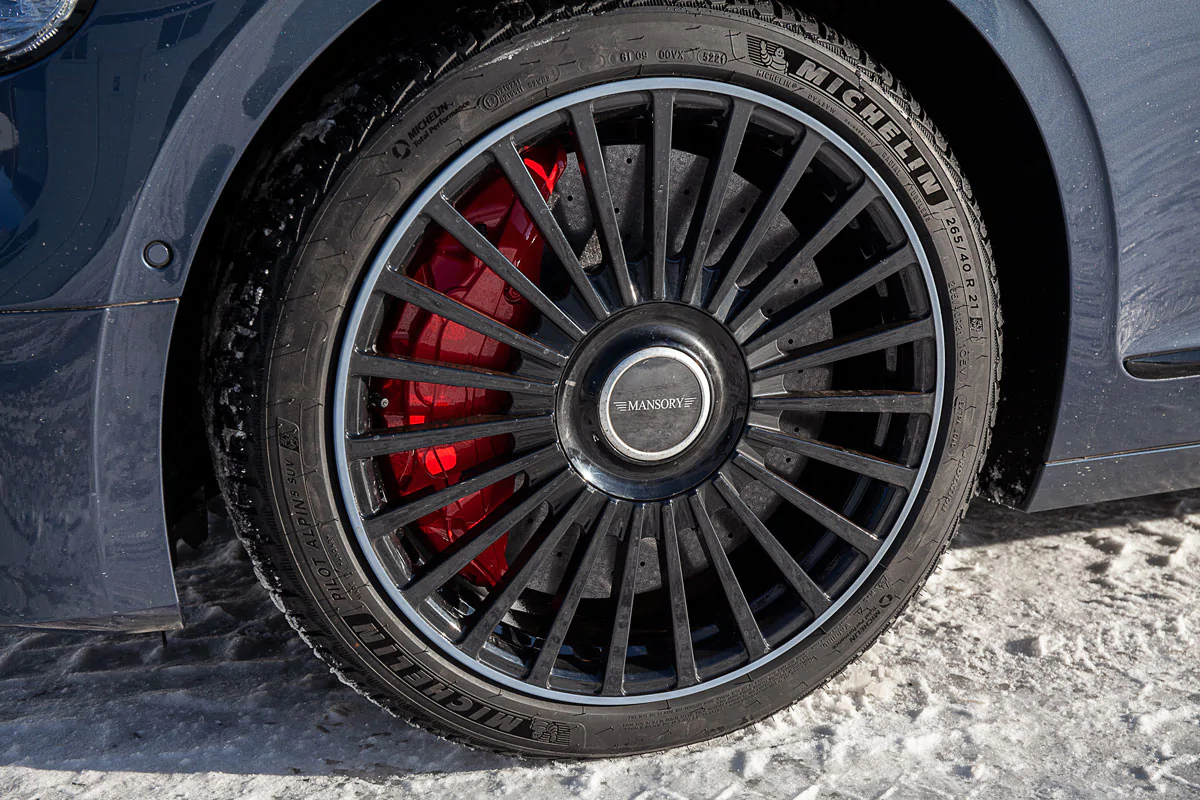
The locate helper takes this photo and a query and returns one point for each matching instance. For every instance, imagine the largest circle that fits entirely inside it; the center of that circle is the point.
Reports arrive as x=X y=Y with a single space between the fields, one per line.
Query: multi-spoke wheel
x=607 y=409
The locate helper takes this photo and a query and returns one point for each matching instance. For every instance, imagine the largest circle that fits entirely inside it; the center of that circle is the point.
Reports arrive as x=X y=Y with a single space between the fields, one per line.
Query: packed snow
x=1053 y=655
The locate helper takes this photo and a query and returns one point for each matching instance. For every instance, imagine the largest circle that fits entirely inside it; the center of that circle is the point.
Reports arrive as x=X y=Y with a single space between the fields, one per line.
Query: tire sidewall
x=306 y=329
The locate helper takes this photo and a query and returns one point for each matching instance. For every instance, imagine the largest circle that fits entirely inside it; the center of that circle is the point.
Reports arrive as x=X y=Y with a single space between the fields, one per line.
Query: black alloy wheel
x=621 y=345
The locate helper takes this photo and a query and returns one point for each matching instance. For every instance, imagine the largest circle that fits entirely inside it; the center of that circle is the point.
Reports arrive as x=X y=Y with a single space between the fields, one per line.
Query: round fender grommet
x=157 y=254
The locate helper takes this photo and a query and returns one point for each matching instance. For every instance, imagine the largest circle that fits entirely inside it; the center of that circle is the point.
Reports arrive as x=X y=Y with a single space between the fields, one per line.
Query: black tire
x=315 y=223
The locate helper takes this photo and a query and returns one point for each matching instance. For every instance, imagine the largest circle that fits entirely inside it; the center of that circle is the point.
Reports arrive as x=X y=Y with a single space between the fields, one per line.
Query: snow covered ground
x=1053 y=656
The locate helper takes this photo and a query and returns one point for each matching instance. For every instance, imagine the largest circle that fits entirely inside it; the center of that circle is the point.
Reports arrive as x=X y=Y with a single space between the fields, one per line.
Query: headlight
x=28 y=24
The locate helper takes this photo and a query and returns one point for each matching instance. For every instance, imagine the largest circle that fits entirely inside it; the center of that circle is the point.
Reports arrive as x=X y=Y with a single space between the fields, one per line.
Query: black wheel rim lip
x=414 y=211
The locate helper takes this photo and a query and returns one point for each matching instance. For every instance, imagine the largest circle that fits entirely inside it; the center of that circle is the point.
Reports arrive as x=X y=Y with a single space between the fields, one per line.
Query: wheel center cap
x=654 y=404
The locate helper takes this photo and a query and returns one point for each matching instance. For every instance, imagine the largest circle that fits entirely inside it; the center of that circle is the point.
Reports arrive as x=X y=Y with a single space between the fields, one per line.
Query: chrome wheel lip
x=348 y=351
x=606 y=423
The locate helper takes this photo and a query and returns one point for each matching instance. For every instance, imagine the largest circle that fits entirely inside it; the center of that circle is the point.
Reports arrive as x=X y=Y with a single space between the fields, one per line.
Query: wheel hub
x=655 y=404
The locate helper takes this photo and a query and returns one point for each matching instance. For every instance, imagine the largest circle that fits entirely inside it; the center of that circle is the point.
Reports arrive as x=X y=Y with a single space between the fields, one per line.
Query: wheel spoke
x=856 y=462
x=712 y=199
x=420 y=295
x=610 y=519
x=394 y=368
x=390 y=520
x=514 y=169
x=444 y=214
x=728 y=290
x=614 y=670
x=752 y=636
x=765 y=347
x=844 y=528
x=681 y=629
x=591 y=158
x=658 y=189
x=866 y=401
x=467 y=548
x=437 y=434
x=521 y=573
x=752 y=317
x=812 y=595
x=874 y=339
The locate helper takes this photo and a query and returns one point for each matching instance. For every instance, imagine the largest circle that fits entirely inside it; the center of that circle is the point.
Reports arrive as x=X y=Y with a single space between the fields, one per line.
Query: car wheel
x=599 y=383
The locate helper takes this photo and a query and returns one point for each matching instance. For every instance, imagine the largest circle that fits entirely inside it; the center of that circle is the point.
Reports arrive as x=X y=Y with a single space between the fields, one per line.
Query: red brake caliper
x=444 y=264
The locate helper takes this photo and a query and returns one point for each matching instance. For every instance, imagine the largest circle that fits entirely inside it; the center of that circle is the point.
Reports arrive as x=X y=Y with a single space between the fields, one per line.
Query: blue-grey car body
x=130 y=130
